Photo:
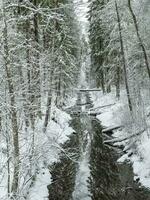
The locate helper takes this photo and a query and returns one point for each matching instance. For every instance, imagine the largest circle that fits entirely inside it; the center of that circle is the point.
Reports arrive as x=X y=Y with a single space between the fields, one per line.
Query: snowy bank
x=57 y=133
x=36 y=156
x=115 y=112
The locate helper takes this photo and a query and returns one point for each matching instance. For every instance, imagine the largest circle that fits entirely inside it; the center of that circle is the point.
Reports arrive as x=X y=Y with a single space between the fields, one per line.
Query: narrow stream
x=113 y=180
x=81 y=191
x=94 y=173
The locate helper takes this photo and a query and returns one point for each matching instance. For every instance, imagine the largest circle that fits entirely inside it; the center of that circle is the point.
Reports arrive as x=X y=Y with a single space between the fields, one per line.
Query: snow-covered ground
x=46 y=150
x=57 y=133
x=110 y=115
x=117 y=114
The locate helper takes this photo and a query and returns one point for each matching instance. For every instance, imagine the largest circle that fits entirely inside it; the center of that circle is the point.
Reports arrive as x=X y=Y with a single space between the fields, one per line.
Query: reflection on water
x=110 y=180
x=102 y=178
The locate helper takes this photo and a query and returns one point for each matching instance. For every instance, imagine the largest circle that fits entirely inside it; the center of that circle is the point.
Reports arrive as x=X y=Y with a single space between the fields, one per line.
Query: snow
x=57 y=133
x=111 y=115
x=117 y=114
x=46 y=151
x=40 y=191
x=71 y=101
x=141 y=161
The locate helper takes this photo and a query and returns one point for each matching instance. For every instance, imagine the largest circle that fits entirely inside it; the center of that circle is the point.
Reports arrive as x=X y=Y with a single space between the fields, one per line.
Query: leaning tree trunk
x=139 y=38
x=123 y=57
x=15 y=182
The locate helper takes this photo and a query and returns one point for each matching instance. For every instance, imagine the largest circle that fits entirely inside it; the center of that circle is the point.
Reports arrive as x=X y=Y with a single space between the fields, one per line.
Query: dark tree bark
x=28 y=60
x=123 y=58
x=49 y=101
x=139 y=38
x=15 y=182
x=35 y=75
x=51 y=76
x=118 y=81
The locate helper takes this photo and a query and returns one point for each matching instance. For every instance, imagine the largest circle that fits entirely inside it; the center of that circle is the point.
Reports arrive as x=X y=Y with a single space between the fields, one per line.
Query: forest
x=74 y=100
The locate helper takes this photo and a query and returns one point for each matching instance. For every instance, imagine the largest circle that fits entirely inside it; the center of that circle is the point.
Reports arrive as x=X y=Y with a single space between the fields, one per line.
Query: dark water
x=111 y=179
x=108 y=179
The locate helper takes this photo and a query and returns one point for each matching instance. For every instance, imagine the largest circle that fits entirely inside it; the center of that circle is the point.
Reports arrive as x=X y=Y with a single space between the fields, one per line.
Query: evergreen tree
x=64 y=48
x=97 y=43
x=105 y=55
x=39 y=58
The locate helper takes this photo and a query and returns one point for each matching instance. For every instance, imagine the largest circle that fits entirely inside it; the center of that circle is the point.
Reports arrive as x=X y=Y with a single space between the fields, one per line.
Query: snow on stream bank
x=57 y=133
x=34 y=181
x=116 y=114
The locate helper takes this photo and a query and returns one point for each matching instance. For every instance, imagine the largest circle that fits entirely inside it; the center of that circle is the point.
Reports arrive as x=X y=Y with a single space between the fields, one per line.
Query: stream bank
x=89 y=169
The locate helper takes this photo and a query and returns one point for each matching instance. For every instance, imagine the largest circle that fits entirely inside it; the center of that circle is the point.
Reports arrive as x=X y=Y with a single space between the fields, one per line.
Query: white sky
x=81 y=7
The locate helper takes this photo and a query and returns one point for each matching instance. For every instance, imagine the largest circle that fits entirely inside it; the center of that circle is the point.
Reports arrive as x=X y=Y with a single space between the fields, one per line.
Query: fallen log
x=89 y=90
x=107 y=136
x=83 y=104
x=112 y=146
x=94 y=113
x=75 y=112
x=128 y=147
x=104 y=106
x=110 y=129
x=123 y=139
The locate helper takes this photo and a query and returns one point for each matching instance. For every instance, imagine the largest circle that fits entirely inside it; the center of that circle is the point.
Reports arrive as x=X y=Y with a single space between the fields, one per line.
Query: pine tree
x=65 y=61
x=105 y=55
x=39 y=58
x=97 y=43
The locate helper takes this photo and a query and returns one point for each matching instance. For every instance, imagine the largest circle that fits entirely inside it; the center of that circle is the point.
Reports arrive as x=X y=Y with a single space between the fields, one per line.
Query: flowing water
x=93 y=173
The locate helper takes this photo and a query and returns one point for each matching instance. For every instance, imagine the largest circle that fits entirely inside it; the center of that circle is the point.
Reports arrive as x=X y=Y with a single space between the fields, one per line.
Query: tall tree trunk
x=30 y=97
x=51 y=76
x=58 y=89
x=15 y=182
x=36 y=66
x=8 y=161
x=118 y=81
x=8 y=151
x=123 y=57
x=49 y=101
x=24 y=27
x=139 y=38
x=28 y=60
x=102 y=81
x=108 y=88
